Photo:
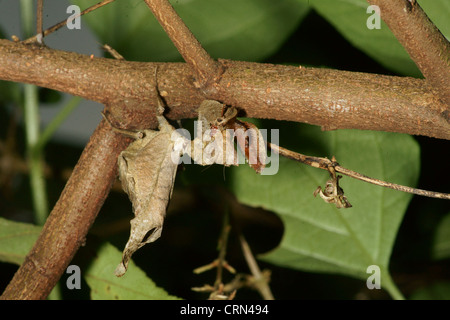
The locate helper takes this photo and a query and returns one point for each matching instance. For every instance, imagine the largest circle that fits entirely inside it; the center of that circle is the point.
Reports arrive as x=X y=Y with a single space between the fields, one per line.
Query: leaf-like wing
x=147 y=173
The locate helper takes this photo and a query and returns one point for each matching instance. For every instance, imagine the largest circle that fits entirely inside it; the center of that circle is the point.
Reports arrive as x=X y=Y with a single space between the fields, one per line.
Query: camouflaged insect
x=218 y=128
x=211 y=145
x=333 y=193
x=147 y=168
x=147 y=173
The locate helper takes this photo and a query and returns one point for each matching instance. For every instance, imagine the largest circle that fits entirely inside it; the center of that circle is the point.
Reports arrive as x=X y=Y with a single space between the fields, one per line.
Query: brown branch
x=39 y=11
x=329 y=98
x=333 y=99
x=206 y=69
x=425 y=44
x=71 y=218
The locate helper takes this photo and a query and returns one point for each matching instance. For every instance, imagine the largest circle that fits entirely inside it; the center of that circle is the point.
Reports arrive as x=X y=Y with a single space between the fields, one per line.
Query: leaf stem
x=31 y=116
x=37 y=183
x=34 y=154
x=26 y=17
x=391 y=287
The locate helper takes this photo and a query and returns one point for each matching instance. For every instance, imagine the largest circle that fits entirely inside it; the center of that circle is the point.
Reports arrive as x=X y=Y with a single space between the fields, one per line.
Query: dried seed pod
x=223 y=127
x=251 y=143
x=332 y=192
x=212 y=145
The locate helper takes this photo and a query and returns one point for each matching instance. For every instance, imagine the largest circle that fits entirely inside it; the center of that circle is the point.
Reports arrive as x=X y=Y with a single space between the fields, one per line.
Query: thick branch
x=205 y=68
x=425 y=44
x=332 y=99
x=71 y=218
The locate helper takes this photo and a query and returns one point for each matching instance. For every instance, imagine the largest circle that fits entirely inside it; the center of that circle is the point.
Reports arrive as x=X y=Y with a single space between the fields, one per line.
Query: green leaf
x=319 y=237
x=134 y=285
x=438 y=11
x=350 y=17
x=441 y=243
x=16 y=240
x=232 y=29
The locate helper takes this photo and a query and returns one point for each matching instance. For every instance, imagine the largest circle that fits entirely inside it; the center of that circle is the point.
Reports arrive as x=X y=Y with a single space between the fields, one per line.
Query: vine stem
x=32 y=121
x=390 y=286
x=327 y=164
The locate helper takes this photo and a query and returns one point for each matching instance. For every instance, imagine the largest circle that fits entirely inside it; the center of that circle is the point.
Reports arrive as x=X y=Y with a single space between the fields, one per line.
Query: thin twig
x=260 y=282
x=222 y=249
x=420 y=192
x=219 y=291
x=206 y=69
x=39 y=23
x=64 y=22
x=325 y=164
x=112 y=52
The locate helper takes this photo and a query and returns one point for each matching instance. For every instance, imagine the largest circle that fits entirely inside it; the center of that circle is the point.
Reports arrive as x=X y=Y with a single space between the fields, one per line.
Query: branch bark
x=329 y=98
x=206 y=70
x=425 y=44
x=70 y=219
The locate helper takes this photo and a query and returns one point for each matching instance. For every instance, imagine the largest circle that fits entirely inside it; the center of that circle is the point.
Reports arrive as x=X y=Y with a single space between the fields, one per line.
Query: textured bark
x=425 y=44
x=206 y=70
x=329 y=98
